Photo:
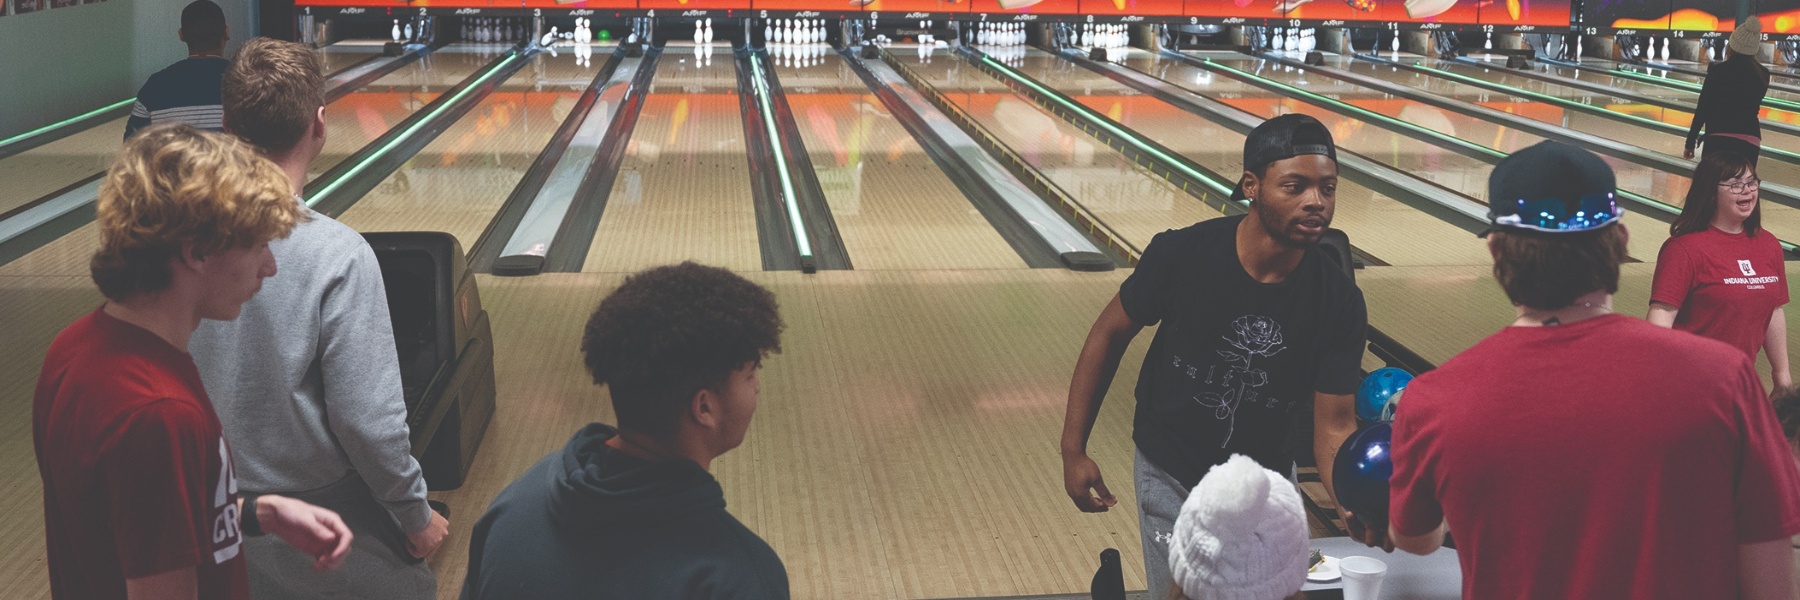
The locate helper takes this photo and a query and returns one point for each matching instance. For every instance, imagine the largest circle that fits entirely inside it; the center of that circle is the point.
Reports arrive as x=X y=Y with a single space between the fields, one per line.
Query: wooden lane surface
x=1396 y=233
x=893 y=206
x=33 y=173
x=683 y=189
x=1132 y=201
x=456 y=183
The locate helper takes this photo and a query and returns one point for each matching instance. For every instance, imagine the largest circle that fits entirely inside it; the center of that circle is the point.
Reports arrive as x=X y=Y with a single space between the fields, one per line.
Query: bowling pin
x=1293 y=41
x=768 y=31
x=709 y=31
x=698 y=34
x=1396 y=44
x=1666 y=43
x=549 y=38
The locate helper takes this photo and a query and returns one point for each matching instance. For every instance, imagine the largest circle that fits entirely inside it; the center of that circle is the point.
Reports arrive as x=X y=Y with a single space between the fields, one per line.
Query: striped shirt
x=186 y=92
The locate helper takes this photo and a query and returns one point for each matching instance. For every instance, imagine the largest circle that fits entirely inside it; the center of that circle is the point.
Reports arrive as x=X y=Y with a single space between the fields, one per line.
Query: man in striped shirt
x=188 y=91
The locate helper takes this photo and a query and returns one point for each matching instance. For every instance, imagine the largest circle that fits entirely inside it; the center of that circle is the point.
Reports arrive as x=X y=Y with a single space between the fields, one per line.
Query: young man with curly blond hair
x=139 y=495
x=633 y=512
x=1258 y=328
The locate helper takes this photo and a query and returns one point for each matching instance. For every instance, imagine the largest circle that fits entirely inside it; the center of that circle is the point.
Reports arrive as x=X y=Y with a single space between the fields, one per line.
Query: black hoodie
x=591 y=522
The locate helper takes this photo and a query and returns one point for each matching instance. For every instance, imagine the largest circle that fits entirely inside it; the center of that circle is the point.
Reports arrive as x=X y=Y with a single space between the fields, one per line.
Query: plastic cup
x=1362 y=577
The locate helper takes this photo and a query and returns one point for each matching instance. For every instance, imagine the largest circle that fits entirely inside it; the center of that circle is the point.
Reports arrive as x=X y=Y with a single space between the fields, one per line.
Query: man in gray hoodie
x=306 y=381
x=632 y=513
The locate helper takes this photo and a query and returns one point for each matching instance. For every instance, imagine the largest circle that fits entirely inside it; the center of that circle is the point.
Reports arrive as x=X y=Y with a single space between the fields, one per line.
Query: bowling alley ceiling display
x=1688 y=18
x=1495 y=15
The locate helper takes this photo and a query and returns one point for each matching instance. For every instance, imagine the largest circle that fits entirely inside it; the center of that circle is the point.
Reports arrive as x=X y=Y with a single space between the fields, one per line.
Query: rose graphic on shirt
x=1256 y=336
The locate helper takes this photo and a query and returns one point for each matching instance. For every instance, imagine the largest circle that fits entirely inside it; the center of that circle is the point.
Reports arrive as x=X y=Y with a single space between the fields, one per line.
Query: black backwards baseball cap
x=1282 y=138
x=1552 y=187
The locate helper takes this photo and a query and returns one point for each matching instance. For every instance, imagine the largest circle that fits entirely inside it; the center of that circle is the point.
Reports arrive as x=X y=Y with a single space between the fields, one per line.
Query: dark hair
x=1702 y=201
x=203 y=25
x=1548 y=271
x=271 y=93
x=669 y=332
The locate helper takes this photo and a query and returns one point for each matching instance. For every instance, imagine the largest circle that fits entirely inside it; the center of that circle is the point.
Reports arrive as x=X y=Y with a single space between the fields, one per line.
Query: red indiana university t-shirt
x=1727 y=285
x=1606 y=458
x=137 y=476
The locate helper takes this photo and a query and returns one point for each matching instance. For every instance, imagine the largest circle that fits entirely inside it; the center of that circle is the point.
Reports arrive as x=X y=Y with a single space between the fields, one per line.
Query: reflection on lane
x=360 y=117
x=683 y=190
x=457 y=183
x=894 y=208
x=1387 y=229
x=1131 y=201
x=1451 y=169
x=1678 y=118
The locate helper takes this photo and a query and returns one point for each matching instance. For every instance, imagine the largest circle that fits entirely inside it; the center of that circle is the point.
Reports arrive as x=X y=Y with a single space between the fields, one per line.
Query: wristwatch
x=247 y=517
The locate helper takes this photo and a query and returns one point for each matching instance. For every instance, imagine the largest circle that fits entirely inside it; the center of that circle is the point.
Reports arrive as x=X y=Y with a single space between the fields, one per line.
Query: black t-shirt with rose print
x=1235 y=360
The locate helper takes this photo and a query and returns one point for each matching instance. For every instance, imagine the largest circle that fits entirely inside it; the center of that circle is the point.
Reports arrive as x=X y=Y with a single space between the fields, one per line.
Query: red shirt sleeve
x=155 y=478
x=1768 y=481
x=1413 y=506
x=1674 y=274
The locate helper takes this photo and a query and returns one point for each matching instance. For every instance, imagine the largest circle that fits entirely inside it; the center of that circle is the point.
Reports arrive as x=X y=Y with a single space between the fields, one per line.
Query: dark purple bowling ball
x=1360 y=474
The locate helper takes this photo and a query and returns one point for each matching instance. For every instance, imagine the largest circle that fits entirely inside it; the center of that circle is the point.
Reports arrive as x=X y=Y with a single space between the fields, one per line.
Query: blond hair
x=271 y=92
x=175 y=188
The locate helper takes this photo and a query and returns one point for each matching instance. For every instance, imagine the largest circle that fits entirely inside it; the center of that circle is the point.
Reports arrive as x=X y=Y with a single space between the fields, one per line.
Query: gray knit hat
x=1747 y=39
x=1241 y=535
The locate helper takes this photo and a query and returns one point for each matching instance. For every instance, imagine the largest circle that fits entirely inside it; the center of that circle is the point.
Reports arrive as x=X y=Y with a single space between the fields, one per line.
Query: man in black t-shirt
x=1256 y=326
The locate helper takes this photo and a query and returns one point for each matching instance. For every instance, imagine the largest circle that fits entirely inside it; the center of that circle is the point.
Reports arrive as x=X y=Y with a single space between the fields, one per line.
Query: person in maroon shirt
x=1719 y=275
x=1580 y=453
x=139 y=497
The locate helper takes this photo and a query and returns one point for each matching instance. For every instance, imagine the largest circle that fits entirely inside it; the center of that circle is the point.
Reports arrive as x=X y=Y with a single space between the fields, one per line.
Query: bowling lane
x=457 y=183
x=345 y=54
x=893 y=206
x=31 y=174
x=1130 y=200
x=683 y=190
x=1694 y=79
x=361 y=116
x=350 y=122
x=1386 y=228
x=1785 y=172
x=1446 y=167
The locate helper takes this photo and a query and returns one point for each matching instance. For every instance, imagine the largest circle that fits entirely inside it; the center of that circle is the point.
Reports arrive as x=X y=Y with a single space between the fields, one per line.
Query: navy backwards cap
x=1282 y=138
x=1552 y=187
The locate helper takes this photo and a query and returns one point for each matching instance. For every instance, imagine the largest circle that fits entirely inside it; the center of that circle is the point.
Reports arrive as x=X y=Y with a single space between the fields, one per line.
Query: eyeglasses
x=1742 y=185
x=1553 y=215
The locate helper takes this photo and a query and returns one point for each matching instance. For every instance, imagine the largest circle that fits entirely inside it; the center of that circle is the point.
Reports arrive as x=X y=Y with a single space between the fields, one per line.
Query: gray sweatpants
x=378 y=567
x=1159 y=501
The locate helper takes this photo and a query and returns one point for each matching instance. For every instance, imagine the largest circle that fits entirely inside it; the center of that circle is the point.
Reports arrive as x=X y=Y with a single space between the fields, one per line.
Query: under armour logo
x=1749 y=271
x=1163 y=537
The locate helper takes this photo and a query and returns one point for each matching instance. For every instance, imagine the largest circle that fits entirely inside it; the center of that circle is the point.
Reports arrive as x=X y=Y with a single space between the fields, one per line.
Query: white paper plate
x=1326 y=572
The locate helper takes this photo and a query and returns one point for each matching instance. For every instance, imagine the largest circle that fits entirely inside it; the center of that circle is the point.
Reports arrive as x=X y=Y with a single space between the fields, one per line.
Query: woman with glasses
x=1720 y=275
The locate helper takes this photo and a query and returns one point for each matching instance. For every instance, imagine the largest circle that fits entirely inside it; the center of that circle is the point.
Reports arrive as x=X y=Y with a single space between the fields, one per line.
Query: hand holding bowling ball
x=1359 y=475
x=1379 y=391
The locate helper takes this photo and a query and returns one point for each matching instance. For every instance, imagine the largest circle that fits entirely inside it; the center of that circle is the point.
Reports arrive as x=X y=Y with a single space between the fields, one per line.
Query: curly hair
x=669 y=332
x=271 y=92
x=176 y=188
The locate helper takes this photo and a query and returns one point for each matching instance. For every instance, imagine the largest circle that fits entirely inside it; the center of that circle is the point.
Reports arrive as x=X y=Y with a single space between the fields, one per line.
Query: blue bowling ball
x=1360 y=474
x=1378 y=390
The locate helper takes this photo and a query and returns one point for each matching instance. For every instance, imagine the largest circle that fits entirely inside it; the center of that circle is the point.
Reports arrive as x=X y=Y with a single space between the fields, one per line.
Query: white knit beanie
x=1241 y=535
x=1747 y=39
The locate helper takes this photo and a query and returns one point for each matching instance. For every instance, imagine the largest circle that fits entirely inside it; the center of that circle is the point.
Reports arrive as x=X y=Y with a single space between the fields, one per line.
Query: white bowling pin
x=1666 y=43
x=1396 y=44
x=396 y=31
x=549 y=38
x=709 y=31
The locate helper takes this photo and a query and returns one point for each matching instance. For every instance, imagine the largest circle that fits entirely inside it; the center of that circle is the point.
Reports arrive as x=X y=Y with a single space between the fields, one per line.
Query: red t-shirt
x=1727 y=285
x=1607 y=458
x=137 y=476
